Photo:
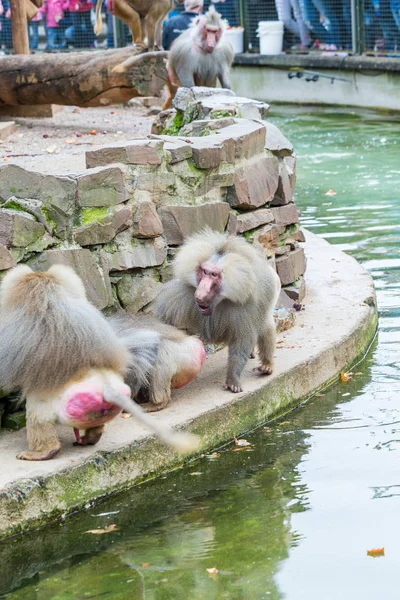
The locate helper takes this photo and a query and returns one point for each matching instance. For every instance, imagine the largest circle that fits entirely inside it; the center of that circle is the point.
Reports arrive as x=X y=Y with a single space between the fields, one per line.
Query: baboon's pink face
x=85 y=406
x=208 y=291
x=210 y=37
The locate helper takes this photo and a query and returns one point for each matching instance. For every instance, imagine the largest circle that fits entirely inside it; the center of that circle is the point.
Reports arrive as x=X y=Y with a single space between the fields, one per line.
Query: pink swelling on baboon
x=85 y=406
x=193 y=367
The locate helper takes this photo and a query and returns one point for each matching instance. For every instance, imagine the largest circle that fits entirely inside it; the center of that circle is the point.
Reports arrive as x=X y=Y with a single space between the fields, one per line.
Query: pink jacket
x=54 y=11
x=80 y=5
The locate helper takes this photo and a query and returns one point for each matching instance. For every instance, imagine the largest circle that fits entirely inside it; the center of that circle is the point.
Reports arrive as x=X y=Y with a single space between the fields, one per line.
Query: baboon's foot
x=153 y=406
x=233 y=387
x=90 y=438
x=47 y=454
x=264 y=369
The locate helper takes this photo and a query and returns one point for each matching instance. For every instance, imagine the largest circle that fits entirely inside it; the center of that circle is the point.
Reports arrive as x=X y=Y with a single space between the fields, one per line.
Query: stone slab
x=31 y=493
x=34 y=111
x=6 y=129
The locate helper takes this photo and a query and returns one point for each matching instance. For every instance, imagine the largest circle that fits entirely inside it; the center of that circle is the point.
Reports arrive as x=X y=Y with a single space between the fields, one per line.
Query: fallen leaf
x=93 y=132
x=330 y=193
x=241 y=442
x=5 y=158
x=145 y=564
x=345 y=377
x=196 y=473
x=375 y=552
x=285 y=423
x=212 y=572
x=267 y=429
x=108 y=529
x=213 y=456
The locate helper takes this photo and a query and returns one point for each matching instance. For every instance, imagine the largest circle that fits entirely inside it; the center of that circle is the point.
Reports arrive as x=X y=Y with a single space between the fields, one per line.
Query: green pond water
x=293 y=515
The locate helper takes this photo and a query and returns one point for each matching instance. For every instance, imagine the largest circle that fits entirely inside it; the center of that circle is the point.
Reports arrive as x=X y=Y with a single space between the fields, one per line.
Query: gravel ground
x=58 y=144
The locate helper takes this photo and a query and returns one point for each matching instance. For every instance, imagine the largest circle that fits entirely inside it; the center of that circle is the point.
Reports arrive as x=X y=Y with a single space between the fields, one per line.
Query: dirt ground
x=58 y=144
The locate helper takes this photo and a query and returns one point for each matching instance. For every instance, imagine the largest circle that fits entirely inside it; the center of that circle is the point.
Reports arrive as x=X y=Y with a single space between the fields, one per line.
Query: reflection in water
x=293 y=515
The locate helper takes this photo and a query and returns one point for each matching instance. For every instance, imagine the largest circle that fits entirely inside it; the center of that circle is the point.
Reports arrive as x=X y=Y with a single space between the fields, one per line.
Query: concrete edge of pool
x=335 y=328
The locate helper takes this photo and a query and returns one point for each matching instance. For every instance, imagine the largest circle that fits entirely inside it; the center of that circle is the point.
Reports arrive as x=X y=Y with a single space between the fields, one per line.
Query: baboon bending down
x=178 y=361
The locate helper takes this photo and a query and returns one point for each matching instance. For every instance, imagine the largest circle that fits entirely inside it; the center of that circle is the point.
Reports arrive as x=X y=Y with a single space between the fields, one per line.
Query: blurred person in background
x=33 y=31
x=5 y=25
x=81 y=33
x=177 y=25
x=296 y=25
x=53 y=12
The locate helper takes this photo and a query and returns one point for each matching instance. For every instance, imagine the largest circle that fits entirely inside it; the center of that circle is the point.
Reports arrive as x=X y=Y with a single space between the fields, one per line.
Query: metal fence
x=324 y=25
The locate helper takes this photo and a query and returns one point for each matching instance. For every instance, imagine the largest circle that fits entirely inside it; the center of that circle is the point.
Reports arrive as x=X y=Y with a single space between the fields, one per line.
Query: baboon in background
x=143 y=17
x=225 y=291
x=179 y=358
x=68 y=362
x=199 y=56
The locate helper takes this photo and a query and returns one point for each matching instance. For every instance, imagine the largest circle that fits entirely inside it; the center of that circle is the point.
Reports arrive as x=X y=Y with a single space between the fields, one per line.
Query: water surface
x=292 y=515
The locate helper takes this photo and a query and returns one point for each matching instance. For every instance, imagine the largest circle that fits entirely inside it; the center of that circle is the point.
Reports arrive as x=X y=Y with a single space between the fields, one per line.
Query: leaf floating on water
x=345 y=377
x=330 y=193
x=241 y=442
x=212 y=572
x=375 y=552
x=213 y=456
x=108 y=529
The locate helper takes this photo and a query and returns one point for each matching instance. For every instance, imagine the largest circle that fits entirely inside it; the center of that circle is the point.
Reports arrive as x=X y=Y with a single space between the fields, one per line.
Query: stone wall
x=118 y=223
x=213 y=161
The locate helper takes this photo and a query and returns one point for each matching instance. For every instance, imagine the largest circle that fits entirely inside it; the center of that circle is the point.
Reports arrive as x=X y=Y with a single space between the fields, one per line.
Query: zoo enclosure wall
x=356 y=26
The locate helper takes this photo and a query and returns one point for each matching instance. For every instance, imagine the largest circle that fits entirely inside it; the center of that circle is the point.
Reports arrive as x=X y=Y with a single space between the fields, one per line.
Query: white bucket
x=235 y=37
x=271 y=36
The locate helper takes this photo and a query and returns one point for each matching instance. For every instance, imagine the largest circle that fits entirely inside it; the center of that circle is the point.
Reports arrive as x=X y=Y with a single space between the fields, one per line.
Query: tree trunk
x=80 y=78
x=19 y=26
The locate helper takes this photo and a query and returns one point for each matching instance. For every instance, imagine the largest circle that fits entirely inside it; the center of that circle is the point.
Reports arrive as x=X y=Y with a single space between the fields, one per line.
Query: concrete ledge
x=311 y=60
x=336 y=327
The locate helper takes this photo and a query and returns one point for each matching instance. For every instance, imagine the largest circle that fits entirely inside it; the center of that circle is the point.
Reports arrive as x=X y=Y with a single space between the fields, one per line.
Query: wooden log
x=80 y=78
x=19 y=26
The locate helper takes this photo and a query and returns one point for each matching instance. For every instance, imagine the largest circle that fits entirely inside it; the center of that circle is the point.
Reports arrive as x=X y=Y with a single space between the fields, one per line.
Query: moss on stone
x=93 y=214
x=220 y=114
x=12 y=205
x=176 y=125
